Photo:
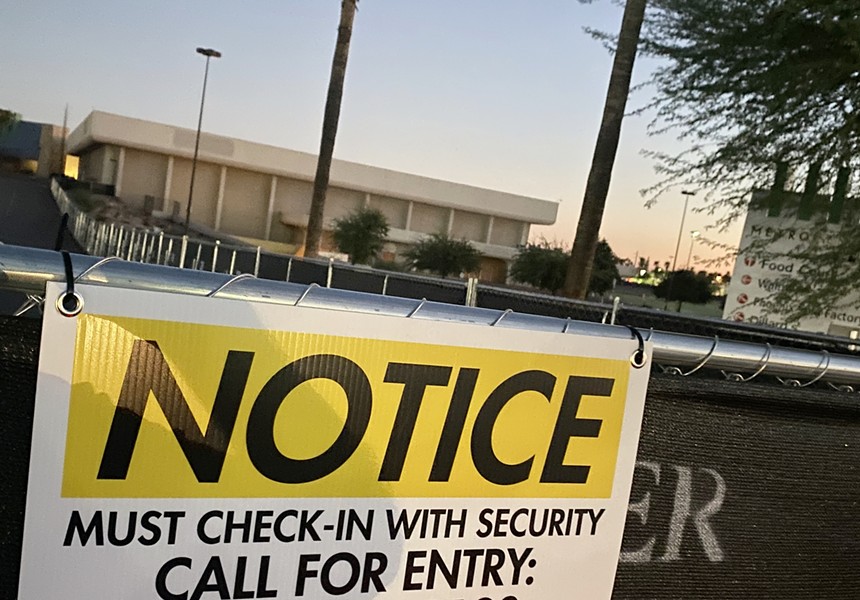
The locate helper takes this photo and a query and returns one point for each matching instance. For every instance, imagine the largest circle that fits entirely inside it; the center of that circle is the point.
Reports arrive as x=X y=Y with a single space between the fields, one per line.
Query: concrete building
x=30 y=147
x=263 y=192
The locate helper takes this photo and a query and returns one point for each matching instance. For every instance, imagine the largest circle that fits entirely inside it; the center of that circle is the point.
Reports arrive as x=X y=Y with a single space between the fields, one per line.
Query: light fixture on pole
x=693 y=235
x=208 y=53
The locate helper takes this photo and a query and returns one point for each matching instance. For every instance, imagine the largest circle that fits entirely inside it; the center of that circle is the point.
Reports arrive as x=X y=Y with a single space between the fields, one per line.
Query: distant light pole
x=678 y=245
x=681 y=229
x=208 y=53
x=693 y=235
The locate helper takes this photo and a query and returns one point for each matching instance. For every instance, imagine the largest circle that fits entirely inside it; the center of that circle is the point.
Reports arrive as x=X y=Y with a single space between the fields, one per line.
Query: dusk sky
x=500 y=94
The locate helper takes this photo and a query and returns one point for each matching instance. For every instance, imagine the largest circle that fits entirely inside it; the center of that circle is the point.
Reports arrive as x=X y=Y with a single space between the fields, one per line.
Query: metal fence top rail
x=29 y=269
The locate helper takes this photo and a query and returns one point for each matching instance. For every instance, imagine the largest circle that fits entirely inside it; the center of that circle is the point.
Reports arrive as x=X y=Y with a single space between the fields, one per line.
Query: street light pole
x=681 y=229
x=677 y=246
x=693 y=235
x=208 y=53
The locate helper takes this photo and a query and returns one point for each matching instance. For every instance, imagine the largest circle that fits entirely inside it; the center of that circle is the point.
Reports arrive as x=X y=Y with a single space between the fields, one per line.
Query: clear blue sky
x=500 y=94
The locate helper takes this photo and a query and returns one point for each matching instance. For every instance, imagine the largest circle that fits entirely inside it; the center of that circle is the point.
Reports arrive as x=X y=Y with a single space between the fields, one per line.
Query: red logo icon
x=739 y=316
x=743 y=299
x=749 y=261
x=746 y=280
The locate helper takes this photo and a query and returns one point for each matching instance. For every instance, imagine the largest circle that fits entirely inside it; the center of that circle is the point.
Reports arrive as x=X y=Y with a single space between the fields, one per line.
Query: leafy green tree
x=361 y=234
x=685 y=286
x=605 y=271
x=7 y=120
x=444 y=256
x=582 y=255
x=331 y=117
x=747 y=86
x=543 y=265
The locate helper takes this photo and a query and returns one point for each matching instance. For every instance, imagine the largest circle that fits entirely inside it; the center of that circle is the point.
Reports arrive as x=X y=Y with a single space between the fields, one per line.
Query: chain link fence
x=103 y=239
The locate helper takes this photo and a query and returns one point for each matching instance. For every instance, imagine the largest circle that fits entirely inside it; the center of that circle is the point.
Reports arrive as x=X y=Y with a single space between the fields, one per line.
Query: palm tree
x=329 y=129
x=597 y=187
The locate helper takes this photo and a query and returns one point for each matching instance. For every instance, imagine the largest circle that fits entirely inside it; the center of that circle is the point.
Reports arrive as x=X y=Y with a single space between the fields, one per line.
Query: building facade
x=30 y=147
x=262 y=192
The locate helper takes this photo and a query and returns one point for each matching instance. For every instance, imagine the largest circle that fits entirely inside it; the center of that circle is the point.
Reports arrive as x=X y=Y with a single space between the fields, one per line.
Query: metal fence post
x=196 y=263
x=88 y=237
x=616 y=304
x=233 y=262
x=102 y=241
x=257 y=263
x=160 y=244
x=131 y=238
x=289 y=268
x=385 y=284
x=183 y=251
x=143 y=244
x=215 y=254
x=169 y=253
x=151 y=250
x=330 y=272
x=472 y=291
x=119 y=236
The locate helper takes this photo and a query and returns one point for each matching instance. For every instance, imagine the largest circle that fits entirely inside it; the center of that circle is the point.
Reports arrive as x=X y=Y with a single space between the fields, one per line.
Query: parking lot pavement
x=28 y=217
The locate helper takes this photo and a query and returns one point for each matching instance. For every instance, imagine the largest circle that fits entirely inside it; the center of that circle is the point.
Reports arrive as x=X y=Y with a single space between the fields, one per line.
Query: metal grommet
x=639 y=357
x=70 y=304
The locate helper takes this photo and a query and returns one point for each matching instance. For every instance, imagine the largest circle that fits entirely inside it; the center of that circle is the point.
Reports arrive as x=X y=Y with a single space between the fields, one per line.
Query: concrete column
x=120 y=166
x=408 y=226
x=270 y=211
x=524 y=238
x=366 y=200
x=450 y=222
x=167 y=183
x=489 y=228
x=220 y=204
x=107 y=175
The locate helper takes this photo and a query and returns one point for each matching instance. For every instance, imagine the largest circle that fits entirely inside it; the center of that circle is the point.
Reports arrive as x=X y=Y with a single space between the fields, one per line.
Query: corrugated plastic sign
x=189 y=448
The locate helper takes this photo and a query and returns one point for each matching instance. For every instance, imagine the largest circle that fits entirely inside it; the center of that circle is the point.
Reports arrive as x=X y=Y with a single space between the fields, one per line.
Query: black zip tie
x=69 y=303
x=64 y=222
x=639 y=357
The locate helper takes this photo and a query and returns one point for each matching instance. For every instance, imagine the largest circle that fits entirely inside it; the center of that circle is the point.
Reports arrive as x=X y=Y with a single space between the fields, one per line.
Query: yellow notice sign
x=172 y=409
x=188 y=447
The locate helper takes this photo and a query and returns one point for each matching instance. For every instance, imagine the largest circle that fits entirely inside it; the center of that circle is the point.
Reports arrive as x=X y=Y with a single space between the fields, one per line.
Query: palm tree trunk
x=329 y=129
x=597 y=187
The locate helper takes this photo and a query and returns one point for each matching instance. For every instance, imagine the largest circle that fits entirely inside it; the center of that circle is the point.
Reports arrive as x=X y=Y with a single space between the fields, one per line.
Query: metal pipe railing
x=29 y=269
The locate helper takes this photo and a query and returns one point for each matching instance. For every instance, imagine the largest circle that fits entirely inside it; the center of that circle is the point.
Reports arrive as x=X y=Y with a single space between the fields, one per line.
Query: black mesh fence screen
x=246 y=260
x=224 y=258
x=534 y=304
x=435 y=290
x=351 y=278
x=741 y=490
x=19 y=342
x=272 y=266
x=308 y=272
